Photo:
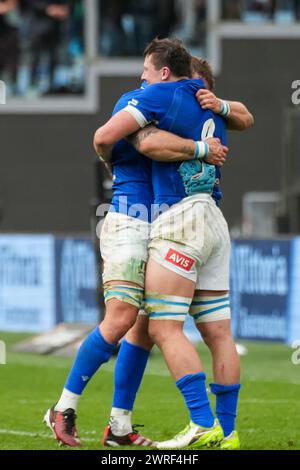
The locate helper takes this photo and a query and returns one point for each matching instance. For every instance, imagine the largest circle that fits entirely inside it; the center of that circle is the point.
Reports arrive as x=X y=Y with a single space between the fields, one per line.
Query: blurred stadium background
x=63 y=64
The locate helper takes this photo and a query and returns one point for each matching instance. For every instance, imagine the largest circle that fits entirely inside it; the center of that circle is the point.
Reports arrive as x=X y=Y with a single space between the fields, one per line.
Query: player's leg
x=123 y=301
x=130 y=365
x=211 y=311
x=98 y=347
x=216 y=333
x=167 y=300
x=124 y=252
x=129 y=370
x=95 y=350
x=133 y=354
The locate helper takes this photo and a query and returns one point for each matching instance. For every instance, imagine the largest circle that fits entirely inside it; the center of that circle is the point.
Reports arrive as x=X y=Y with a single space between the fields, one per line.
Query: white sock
x=67 y=400
x=120 y=421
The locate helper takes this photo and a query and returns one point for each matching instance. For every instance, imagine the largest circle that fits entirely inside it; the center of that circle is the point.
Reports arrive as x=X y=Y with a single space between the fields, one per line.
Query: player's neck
x=173 y=78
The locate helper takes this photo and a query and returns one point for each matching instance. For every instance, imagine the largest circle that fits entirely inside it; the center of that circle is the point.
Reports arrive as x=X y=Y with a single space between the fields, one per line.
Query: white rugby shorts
x=192 y=239
x=124 y=248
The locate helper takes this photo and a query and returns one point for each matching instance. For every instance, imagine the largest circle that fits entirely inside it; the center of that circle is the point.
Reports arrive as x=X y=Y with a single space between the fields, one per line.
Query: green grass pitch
x=268 y=407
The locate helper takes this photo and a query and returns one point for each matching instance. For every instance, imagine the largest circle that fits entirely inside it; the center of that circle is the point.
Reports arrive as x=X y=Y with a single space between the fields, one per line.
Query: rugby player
x=213 y=251
x=177 y=147
x=135 y=348
x=124 y=243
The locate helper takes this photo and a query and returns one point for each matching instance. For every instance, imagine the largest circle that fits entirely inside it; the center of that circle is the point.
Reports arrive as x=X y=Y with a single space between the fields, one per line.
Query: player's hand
x=217 y=152
x=208 y=100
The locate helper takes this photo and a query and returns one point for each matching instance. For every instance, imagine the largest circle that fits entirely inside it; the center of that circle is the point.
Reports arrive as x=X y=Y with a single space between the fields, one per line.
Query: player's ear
x=166 y=72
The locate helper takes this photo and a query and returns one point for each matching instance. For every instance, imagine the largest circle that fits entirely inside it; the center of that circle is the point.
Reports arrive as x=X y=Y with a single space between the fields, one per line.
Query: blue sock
x=129 y=371
x=93 y=352
x=226 y=405
x=193 y=388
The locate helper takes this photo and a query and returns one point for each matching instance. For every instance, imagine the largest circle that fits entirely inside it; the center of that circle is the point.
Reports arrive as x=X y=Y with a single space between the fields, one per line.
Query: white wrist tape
x=201 y=150
x=225 y=108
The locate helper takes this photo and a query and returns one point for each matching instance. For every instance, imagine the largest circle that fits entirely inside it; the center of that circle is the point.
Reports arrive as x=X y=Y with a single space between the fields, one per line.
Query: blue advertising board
x=261 y=275
x=27 y=288
x=76 y=281
x=293 y=333
x=46 y=280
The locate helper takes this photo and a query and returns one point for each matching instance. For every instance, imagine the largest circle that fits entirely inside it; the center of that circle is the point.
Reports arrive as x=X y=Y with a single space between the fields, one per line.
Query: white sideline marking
x=40 y=434
x=271 y=380
x=31 y=402
x=275 y=401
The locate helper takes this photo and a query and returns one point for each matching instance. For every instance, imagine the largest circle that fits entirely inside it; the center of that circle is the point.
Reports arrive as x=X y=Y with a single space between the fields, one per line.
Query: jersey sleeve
x=147 y=107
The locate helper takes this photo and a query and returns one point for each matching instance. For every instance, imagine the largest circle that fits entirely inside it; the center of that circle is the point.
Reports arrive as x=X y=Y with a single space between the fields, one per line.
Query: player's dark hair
x=203 y=68
x=170 y=53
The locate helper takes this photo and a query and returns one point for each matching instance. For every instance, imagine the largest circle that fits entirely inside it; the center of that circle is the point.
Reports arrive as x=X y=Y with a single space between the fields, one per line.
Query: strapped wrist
x=201 y=150
x=225 y=108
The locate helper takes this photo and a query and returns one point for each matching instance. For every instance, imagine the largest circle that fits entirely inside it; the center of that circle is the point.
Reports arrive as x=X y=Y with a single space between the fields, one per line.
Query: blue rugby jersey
x=173 y=107
x=132 y=185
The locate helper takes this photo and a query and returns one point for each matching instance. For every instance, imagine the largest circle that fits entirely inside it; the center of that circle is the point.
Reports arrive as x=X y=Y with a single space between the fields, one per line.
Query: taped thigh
x=166 y=307
x=210 y=308
x=132 y=295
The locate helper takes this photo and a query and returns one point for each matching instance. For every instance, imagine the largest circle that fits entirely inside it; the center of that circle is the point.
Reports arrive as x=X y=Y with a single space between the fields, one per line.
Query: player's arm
x=238 y=117
x=131 y=119
x=124 y=124
x=164 y=146
x=118 y=127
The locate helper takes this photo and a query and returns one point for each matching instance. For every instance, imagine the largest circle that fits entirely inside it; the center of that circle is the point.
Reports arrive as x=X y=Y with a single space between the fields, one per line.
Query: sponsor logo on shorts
x=180 y=260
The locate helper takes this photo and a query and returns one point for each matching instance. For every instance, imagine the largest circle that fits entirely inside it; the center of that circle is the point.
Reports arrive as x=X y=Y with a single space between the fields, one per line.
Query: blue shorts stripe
x=136 y=289
x=209 y=302
x=113 y=293
x=166 y=314
x=211 y=310
x=150 y=300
